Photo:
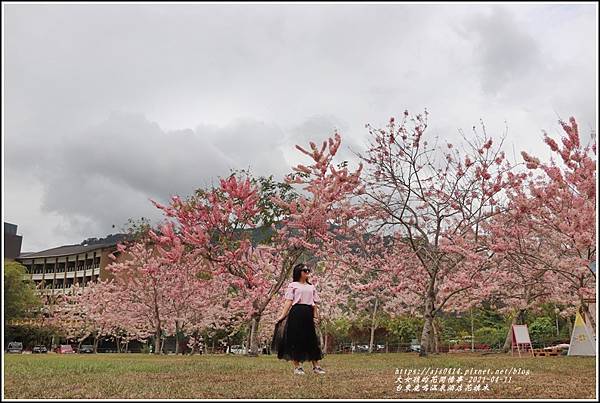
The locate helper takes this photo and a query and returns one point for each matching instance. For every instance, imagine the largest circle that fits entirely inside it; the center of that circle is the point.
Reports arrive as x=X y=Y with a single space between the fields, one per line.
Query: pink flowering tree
x=436 y=202
x=334 y=292
x=194 y=297
x=139 y=284
x=362 y=269
x=217 y=224
x=160 y=292
x=526 y=282
x=88 y=312
x=558 y=201
x=67 y=316
x=518 y=245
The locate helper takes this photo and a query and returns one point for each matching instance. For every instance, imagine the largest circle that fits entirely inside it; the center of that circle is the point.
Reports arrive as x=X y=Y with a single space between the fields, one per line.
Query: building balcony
x=50 y=291
x=92 y=271
x=56 y=291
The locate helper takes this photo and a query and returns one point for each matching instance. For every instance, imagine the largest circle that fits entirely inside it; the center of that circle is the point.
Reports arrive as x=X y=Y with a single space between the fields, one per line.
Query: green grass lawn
x=225 y=376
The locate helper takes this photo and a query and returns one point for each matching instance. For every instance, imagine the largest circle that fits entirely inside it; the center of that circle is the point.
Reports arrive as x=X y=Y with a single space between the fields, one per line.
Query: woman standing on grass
x=295 y=336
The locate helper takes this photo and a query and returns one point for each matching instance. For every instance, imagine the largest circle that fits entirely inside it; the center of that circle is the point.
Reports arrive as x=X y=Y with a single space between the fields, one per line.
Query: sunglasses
x=306 y=270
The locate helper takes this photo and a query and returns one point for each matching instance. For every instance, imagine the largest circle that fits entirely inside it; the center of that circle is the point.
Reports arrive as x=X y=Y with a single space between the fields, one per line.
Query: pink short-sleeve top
x=302 y=293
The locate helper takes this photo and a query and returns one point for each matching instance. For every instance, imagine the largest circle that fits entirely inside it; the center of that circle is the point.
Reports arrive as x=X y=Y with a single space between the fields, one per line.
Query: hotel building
x=55 y=271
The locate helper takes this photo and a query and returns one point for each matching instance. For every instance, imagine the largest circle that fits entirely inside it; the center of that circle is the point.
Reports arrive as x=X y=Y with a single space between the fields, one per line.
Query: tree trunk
x=518 y=319
x=162 y=345
x=250 y=336
x=118 y=343
x=373 y=325
x=426 y=335
x=127 y=346
x=253 y=342
x=436 y=337
x=176 y=337
x=157 y=335
x=508 y=341
x=326 y=341
x=472 y=332
x=247 y=343
x=96 y=340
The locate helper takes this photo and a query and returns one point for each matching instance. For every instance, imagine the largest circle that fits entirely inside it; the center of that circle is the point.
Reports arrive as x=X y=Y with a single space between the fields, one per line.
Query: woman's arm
x=316 y=301
x=286 y=308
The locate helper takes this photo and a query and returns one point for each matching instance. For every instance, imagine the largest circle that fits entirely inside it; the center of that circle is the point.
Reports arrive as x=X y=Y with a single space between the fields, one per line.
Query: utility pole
x=472 y=333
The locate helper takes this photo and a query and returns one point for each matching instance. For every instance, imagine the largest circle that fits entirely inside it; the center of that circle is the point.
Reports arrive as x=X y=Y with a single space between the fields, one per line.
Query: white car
x=237 y=349
x=15 y=347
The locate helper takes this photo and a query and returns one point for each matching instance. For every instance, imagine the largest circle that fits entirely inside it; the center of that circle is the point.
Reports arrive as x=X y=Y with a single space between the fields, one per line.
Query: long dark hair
x=297 y=271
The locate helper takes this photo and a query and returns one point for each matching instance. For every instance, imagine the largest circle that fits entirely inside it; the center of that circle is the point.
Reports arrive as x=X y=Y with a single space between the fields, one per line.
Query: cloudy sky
x=107 y=105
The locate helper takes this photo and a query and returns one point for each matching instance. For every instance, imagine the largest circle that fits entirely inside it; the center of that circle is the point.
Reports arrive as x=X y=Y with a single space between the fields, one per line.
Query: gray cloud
x=107 y=105
x=505 y=51
x=108 y=172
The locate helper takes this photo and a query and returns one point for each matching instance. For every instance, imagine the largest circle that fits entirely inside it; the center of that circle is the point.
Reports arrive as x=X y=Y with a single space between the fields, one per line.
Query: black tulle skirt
x=296 y=337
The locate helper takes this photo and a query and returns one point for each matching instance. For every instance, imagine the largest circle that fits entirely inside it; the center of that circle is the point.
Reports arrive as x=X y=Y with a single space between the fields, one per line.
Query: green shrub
x=494 y=337
x=542 y=329
x=145 y=348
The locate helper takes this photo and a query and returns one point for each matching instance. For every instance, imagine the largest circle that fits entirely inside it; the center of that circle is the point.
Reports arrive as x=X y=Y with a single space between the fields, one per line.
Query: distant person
x=295 y=337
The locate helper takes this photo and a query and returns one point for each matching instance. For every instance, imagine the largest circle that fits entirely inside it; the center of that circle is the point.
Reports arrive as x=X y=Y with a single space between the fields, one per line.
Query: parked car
x=237 y=349
x=363 y=348
x=15 y=347
x=86 y=349
x=39 y=350
x=65 y=349
x=415 y=346
x=344 y=348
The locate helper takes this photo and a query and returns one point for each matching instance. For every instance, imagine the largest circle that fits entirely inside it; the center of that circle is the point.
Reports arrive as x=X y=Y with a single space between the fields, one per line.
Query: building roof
x=66 y=250
x=88 y=245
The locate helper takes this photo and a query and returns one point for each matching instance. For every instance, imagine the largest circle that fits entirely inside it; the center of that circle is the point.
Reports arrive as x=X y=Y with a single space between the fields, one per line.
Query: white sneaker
x=318 y=370
x=299 y=371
